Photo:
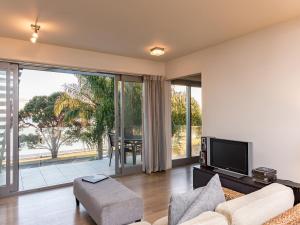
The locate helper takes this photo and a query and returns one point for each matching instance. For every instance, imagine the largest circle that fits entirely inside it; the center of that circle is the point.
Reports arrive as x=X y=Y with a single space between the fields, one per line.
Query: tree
x=133 y=109
x=178 y=104
x=91 y=103
x=31 y=140
x=53 y=128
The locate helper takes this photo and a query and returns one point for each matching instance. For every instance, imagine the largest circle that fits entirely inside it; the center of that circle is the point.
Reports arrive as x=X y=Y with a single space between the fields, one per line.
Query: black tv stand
x=245 y=184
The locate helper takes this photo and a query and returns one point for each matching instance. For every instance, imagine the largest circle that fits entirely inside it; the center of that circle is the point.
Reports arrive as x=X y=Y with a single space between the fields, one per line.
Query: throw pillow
x=188 y=205
x=179 y=203
x=209 y=198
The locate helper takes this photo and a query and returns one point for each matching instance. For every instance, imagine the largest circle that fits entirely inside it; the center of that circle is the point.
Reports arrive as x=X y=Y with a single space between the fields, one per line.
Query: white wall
x=251 y=92
x=12 y=49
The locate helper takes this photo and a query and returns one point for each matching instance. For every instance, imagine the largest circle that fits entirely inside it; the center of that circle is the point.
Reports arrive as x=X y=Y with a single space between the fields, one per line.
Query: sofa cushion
x=258 y=207
x=161 y=221
x=207 y=218
x=184 y=207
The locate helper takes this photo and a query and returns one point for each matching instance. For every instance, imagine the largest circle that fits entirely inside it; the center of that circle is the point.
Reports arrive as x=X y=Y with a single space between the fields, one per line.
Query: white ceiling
x=132 y=27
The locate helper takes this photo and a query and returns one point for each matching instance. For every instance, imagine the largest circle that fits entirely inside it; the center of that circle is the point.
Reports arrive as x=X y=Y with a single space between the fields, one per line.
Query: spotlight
x=35 y=34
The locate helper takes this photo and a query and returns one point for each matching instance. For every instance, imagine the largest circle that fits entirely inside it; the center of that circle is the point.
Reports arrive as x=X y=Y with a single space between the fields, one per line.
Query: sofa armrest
x=230 y=194
x=289 y=217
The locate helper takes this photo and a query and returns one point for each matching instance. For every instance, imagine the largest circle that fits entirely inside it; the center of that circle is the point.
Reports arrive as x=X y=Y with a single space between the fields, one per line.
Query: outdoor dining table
x=135 y=142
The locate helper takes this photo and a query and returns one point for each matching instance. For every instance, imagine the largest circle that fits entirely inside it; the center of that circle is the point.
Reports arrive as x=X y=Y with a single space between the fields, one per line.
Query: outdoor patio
x=37 y=177
x=43 y=176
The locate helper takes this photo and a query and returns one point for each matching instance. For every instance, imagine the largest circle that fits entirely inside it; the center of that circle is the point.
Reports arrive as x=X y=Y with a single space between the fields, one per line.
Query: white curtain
x=156 y=124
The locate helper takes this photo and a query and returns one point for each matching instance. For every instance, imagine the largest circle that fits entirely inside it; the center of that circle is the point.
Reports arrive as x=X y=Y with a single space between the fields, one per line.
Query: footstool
x=109 y=202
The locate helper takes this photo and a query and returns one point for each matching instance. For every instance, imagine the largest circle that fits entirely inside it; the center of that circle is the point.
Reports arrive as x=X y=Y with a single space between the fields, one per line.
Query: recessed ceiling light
x=157 y=51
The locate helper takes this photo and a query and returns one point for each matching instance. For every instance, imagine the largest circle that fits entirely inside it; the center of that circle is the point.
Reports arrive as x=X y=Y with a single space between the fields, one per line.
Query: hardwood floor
x=57 y=206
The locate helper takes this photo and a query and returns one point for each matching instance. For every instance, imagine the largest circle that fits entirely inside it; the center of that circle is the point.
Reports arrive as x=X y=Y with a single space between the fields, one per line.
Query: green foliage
x=133 y=109
x=40 y=111
x=31 y=140
x=102 y=90
x=91 y=103
x=196 y=118
x=54 y=128
x=178 y=104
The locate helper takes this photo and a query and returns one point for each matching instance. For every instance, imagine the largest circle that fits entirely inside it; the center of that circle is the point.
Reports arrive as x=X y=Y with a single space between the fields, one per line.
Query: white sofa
x=256 y=208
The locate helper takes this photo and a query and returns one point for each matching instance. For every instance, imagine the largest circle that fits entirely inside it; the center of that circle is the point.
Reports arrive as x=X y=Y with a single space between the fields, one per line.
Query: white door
x=9 y=176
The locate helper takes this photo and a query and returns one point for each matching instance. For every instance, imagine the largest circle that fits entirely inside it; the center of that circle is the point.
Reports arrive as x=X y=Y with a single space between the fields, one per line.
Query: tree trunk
x=100 y=148
x=54 y=153
x=54 y=142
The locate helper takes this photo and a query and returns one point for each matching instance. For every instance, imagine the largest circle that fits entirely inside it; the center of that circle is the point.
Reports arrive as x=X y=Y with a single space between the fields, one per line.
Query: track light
x=33 y=40
x=35 y=34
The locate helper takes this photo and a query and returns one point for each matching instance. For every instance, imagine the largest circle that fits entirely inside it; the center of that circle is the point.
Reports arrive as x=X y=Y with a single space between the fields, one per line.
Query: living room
x=116 y=110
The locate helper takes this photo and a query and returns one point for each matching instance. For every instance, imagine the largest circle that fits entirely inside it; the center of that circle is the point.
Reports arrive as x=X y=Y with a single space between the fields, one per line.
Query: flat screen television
x=234 y=156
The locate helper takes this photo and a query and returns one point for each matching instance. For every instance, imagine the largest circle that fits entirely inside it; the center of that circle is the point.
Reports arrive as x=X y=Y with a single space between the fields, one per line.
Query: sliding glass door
x=66 y=124
x=8 y=128
x=186 y=121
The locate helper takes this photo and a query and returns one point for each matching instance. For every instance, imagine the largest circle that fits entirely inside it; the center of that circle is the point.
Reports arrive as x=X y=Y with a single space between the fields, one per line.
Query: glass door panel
x=130 y=92
x=132 y=123
x=186 y=121
x=179 y=109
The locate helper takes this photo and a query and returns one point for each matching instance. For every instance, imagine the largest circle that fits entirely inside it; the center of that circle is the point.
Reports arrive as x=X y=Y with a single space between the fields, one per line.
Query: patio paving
x=45 y=176
x=31 y=178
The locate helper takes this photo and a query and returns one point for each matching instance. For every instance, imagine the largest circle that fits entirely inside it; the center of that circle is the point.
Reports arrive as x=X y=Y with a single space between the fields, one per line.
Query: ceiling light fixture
x=157 y=51
x=35 y=34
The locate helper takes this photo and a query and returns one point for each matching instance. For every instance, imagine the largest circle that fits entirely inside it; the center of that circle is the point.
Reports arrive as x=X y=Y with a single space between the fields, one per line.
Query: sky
x=196 y=92
x=35 y=82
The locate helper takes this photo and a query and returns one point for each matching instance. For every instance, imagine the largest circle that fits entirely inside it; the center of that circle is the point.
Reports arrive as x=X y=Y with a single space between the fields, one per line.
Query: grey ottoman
x=109 y=202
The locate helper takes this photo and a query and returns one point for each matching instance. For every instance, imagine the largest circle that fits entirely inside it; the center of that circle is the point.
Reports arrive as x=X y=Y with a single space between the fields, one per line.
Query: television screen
x=229 y=155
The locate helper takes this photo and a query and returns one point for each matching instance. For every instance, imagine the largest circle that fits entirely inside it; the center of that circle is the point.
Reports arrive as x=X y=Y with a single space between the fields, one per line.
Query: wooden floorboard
x=57 y=206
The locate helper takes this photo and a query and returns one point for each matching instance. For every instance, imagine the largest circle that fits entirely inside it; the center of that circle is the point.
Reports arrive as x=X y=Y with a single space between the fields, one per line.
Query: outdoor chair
x=112 y=147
